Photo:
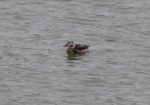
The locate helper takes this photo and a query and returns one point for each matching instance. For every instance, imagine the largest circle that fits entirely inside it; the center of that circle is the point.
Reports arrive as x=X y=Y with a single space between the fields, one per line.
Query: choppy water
x=35 y=69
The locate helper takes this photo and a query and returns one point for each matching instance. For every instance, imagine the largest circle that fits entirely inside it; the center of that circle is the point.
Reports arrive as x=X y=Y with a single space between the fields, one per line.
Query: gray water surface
x=36 y=70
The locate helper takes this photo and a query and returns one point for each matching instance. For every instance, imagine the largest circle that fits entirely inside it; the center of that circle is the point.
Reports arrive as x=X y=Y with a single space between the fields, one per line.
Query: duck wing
x=81 y=46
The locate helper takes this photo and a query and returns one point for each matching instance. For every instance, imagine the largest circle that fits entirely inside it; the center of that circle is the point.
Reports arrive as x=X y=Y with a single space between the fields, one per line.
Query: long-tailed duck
x=76 y=48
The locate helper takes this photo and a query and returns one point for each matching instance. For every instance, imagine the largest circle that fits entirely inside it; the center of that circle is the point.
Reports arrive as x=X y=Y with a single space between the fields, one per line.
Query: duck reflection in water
x=72 y=56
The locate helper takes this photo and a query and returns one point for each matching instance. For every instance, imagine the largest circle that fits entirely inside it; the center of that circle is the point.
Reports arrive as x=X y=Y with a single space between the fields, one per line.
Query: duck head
x=69 y=44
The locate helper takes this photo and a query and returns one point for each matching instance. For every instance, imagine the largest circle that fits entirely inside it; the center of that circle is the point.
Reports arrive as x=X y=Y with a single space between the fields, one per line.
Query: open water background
x=35 y=69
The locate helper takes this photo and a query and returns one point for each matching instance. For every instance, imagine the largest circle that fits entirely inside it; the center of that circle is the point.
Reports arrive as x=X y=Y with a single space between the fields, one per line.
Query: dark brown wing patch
x=81 y=47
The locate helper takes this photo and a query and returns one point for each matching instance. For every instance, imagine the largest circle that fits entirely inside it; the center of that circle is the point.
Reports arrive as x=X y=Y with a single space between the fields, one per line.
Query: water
x=35 y=69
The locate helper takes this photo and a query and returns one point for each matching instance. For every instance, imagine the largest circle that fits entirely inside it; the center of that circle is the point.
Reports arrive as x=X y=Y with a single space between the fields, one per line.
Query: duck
x=76 y=48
